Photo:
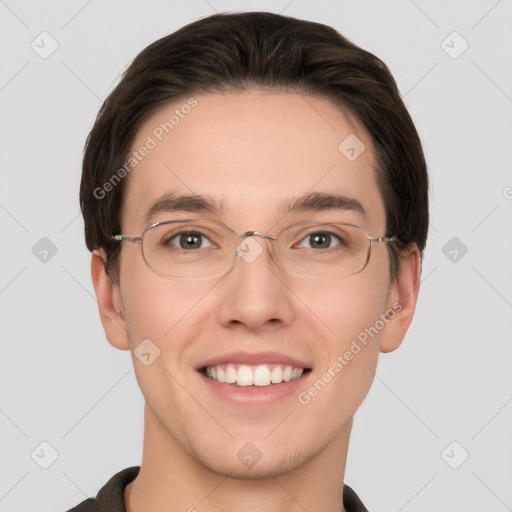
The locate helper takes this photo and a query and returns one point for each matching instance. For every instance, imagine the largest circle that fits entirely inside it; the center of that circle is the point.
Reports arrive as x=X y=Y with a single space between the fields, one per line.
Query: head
x=247 y=111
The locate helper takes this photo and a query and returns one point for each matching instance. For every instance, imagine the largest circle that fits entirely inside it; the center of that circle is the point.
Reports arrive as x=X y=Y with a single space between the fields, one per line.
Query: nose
x=256 y=294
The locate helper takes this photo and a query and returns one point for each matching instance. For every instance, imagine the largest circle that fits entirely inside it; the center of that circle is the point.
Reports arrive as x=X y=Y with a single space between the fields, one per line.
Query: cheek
x=148 y=301
x=350 y=348
x=155 y=311
x=158 y=308
x=159 y=314
x=347 y=307
x=350 y=311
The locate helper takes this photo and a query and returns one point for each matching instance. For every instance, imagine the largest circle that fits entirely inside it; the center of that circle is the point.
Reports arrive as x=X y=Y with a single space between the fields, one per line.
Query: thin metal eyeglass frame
x=139 y=240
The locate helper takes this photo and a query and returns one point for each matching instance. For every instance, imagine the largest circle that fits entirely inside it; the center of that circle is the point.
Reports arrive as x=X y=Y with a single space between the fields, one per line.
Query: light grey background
x=62 y=383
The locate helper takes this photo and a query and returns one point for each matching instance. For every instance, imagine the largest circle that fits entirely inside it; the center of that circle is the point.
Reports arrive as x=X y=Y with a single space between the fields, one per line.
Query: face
x=253 y=152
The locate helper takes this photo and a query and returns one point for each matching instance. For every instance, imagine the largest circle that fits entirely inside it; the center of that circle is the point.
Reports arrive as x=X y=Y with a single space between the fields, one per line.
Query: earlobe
x=402 y=300
x=109 y=302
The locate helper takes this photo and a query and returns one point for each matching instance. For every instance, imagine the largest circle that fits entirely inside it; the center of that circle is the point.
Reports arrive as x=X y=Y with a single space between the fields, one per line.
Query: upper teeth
x=260 y=375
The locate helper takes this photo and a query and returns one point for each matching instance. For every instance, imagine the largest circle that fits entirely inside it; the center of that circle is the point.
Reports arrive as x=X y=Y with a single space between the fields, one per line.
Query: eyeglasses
x=198 y=249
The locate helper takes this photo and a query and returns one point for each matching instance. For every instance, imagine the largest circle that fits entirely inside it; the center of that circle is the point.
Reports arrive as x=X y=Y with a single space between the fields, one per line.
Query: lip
x=251 y=396
x=254 y=358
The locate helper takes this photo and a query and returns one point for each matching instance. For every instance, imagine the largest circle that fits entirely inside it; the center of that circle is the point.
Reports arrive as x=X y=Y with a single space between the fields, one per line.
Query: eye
x=188 y=240
x=320 y=240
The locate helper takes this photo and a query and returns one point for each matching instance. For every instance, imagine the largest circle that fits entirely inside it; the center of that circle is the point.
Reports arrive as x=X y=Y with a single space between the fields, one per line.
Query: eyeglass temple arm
x=131 y=239
x=384 y=239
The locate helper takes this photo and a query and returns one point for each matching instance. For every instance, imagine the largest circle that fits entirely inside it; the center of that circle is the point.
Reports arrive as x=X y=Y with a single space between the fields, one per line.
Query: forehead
x=250 y=154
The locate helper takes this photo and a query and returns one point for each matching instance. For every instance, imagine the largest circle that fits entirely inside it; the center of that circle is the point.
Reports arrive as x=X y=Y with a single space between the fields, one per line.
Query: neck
x=171 y=479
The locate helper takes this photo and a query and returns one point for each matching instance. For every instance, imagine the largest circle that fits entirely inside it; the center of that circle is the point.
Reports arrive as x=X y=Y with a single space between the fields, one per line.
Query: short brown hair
x=241 y=51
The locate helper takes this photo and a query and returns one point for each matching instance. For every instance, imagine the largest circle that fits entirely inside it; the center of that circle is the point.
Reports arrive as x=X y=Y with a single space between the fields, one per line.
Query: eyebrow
x=170 y=203
x=321 y=201
x=310 y=202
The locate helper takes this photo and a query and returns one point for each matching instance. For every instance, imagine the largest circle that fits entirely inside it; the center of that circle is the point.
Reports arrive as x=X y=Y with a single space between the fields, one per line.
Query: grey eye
x=189 y=240
x=319 y=240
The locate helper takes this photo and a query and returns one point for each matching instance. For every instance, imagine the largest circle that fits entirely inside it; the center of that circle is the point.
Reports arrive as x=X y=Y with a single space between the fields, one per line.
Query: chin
x=250 y=463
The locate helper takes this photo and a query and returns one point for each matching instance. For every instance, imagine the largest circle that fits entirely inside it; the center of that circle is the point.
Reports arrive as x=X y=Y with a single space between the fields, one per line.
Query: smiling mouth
x=261 y=375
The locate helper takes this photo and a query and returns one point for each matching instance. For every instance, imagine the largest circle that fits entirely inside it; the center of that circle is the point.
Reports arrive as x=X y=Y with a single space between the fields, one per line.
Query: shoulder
x=111 y=496
x=351 y=500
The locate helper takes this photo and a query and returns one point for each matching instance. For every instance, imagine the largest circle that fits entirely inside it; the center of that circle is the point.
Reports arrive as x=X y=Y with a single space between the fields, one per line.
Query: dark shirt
x=110 y=498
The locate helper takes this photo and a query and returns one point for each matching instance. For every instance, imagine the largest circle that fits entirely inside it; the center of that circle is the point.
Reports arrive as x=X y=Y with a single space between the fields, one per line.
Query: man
x=255 y=199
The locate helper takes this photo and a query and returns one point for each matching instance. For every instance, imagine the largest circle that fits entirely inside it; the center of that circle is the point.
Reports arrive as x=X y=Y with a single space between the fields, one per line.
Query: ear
x=110 y=304
x=402 y=299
